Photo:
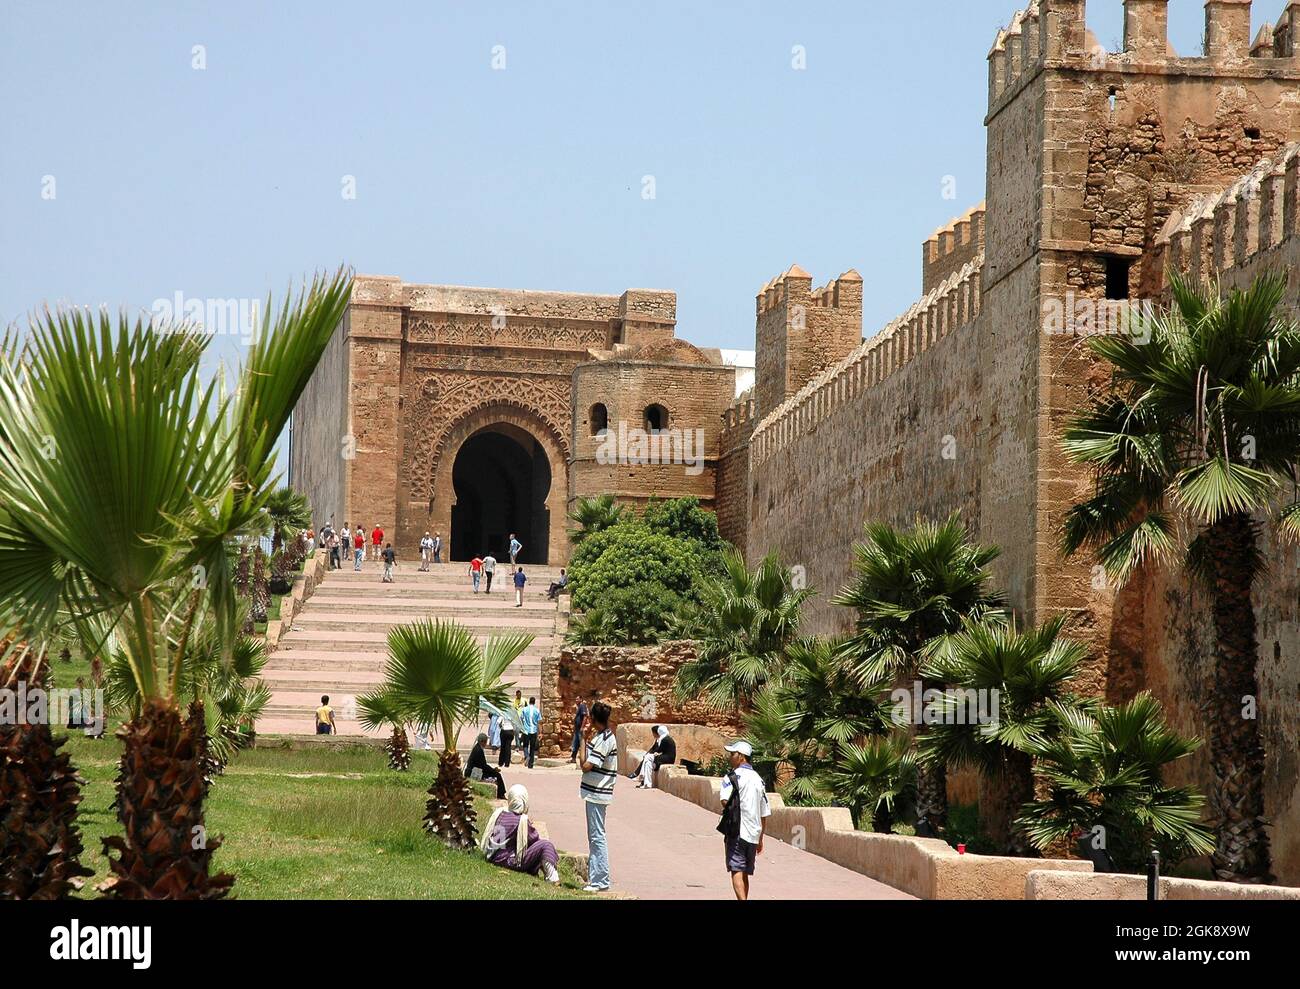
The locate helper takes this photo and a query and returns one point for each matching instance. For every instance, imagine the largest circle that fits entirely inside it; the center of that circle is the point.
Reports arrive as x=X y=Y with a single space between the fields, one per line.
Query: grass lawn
x=313 y=824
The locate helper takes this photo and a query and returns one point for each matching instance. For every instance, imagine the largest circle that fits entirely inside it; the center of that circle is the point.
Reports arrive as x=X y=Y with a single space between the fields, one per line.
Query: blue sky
x=227 y=181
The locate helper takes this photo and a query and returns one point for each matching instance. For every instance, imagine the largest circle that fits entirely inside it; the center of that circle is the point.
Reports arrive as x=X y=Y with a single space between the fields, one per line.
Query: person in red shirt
x=476 y=571
x=376 y=542
x=359 y=545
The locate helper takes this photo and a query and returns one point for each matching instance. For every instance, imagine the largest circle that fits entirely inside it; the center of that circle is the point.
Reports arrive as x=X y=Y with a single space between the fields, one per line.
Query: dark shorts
x=322 y=728
x=740 y=856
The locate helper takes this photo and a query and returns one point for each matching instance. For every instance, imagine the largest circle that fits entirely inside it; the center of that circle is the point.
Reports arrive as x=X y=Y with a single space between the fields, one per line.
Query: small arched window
x=656 y=418
x=599 y=417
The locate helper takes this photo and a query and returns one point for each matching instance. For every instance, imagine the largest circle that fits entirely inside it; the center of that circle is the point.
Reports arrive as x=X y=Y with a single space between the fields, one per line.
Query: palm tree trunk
x=932 y=779
x=449 y=813
x=165 y=853
x=1018 y=789
x=1236 y=749
x=40 y=844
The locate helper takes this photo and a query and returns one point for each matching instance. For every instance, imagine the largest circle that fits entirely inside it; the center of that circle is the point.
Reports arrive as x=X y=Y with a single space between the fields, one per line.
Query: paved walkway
x=665 y=848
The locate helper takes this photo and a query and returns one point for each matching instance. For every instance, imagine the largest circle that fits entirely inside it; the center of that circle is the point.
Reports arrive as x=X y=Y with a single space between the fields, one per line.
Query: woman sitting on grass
x=509 y=839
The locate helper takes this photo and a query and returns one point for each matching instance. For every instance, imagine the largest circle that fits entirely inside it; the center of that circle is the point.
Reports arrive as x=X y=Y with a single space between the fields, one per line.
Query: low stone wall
x=695 y=743
x=635 y=681
x=927 y=868
x=304 y=586
x=1052 y=885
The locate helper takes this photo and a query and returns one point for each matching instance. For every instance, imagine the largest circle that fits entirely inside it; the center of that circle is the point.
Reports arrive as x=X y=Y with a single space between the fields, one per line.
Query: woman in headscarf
x=662 y=753
x=510 y=840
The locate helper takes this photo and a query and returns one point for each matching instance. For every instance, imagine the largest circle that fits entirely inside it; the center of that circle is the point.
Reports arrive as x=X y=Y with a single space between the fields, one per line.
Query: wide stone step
x=362 y=681
x=341 y=663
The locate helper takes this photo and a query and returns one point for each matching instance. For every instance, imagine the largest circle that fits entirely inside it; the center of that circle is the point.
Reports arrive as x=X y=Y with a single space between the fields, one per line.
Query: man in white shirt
x=599 y=773
x=426 y=551
x=741 y=849
x=489 y=568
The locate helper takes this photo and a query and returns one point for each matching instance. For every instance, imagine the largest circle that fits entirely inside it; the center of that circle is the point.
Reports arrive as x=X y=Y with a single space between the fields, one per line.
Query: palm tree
x=1003 y=685
x=1105 y=772
x=874 y=778
x=40 y=843
x=378 y=709
x=746 y=622
x=1196 y=439
x=287 y=513
x=124 y=483
x=435 y=677
x=912 y=589
x=594 y=514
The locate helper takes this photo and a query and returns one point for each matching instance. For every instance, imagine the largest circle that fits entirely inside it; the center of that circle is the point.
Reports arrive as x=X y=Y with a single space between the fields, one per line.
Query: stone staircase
x=338 y=642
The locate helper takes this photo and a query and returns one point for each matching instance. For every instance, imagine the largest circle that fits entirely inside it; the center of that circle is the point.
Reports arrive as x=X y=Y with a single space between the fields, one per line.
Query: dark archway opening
x=501 y=481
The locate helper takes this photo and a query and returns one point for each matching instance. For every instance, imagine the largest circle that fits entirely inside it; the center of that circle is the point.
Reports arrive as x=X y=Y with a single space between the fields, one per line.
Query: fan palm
x=379 y=709
x=591 y=515
x=1002 y=686
x=912 y=589
x=1105 y=774
x=124 y=480
x=874 y=777
x=287 y=513
x=1195 y=441
x=746 y=622
x=435 y=677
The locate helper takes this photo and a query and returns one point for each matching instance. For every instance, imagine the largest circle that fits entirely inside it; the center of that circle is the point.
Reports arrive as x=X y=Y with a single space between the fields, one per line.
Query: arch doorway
x=501 y=477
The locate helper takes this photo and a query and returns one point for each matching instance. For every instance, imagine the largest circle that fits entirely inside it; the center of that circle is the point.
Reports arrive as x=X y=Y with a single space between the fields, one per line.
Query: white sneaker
x=595 y=889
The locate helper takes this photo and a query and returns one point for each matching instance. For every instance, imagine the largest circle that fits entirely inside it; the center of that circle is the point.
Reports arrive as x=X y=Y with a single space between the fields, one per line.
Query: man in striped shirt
x=599 y=771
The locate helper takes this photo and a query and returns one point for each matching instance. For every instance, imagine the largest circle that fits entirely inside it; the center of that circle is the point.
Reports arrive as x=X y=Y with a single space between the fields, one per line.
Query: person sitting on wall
x=557 y=586
x=478 y=761
x=662 y=753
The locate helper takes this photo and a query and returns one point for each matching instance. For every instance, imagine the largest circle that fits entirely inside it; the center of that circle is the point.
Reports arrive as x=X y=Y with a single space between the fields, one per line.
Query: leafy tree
x=745 y=624
x=1028 y=675
x=379 y=708
x=1197 y=437
x=1105 y=773
x=639 y=580
x=912 y=589
x=124 y=482
x=435 y=677
x=683 y=518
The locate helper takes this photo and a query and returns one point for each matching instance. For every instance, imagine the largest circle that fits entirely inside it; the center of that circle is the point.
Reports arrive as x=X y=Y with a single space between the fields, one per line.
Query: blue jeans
x=597 y=850
x=477 y=576
x=359 y=556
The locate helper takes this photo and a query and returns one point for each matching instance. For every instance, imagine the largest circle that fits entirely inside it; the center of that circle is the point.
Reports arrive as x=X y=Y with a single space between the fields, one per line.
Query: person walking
x=579 y=722
x=345 y=544
x=515 y=547
x=489 y=568
x=494 y=731
x=745 y=806
x=476 y=571
x=332 y=541
x=376 y=541
x=507 y=739
x=531 y=718
x=359 y=548
x=599 y=773
x=437 y=547
x=426 y=552
x=390 y=558
x=521 y=578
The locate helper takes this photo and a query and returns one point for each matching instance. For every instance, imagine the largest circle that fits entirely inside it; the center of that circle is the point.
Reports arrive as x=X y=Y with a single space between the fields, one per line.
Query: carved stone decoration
x=440 y=402
x=514 y=332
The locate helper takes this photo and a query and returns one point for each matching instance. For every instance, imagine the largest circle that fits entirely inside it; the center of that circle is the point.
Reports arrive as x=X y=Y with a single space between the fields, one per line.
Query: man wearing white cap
x=746 y=842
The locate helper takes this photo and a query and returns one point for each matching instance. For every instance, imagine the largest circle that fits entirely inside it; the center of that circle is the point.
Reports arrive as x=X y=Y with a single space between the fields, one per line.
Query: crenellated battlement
x=948 y=307
x=1055 y=32
x=794 y=286
x=951 y=247
x=1227 y=229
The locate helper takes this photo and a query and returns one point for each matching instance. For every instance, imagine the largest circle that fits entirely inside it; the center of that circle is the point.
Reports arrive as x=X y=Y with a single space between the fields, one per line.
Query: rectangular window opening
x=1117 y=277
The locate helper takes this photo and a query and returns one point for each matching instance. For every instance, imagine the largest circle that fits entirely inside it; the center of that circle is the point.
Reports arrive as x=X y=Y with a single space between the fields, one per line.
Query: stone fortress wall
x=1105 y=170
